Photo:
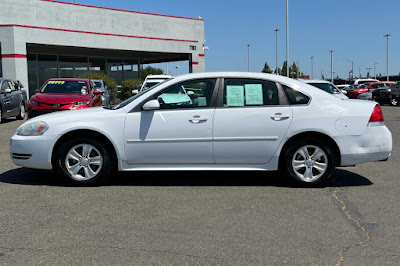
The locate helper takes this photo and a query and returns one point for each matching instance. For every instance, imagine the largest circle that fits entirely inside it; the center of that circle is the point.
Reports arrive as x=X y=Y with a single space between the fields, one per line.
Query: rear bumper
x=372 y=146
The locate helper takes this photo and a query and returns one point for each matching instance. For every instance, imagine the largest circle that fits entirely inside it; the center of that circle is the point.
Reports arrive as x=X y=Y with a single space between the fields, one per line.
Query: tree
x=149 y=70
x=284 y=70
x=266 y=69
x=111 y=83
x=128 y=86
x=294 y=71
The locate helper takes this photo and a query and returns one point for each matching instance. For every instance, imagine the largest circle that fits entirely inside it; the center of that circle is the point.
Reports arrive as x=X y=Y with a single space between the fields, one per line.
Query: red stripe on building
x=195 y=63
x=202 y=55
x=121 y=10
x=13 y=56
x=96 y=33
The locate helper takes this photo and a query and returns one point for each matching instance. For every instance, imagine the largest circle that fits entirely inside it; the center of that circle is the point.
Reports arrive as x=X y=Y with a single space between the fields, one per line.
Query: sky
x=353 y=29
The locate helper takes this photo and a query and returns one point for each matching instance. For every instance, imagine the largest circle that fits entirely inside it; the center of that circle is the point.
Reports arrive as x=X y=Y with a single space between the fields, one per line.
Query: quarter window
x=249 y=92
x=192 y=94
x=295 y=97
x=4 y=86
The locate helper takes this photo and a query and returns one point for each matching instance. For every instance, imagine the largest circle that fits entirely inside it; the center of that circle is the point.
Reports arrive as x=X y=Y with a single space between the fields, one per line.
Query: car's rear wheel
x=22 y=112
x=83 y=162
x=309 y=162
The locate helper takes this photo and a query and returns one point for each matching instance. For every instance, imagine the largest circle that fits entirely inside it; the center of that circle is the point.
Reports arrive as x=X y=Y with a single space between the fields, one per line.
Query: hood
x=60 y=98
x=79 y=114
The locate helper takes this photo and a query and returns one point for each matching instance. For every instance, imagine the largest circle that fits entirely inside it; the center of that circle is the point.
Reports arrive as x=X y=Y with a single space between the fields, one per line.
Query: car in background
x=394 y=94
x=152 y=80
x=235 y=121
x=365 y=96
x=326 y=86
x=381 y=95
x=107 y=97
x=364 y=81
x=64 y=94
x=364 y=88
x=12 y=99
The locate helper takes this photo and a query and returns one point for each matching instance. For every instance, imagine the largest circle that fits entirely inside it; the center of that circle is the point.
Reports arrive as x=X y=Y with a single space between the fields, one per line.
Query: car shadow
x=341 y=178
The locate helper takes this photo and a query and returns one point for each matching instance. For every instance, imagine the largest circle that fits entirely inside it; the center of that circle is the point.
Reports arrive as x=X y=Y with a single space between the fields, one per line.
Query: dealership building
x=42 y=39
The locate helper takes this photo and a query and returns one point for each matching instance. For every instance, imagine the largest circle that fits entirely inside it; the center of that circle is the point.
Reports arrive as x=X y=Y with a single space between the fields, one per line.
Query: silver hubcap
x=310 y=163
x=83 y=162
x=22 y=110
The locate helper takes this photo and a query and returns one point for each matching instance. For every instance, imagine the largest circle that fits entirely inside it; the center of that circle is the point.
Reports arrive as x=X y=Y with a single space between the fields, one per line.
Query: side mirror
x=151 y=105
x=97 y=92
x=7 y=91
x=344 y=92
x=134 y=92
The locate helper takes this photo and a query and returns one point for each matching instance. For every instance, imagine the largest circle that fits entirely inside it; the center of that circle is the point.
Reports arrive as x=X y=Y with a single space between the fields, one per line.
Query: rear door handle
x=279 y=117
x=197 y=119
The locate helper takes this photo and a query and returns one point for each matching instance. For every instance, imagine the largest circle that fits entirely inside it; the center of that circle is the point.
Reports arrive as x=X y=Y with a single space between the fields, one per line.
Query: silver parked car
x=106 y=96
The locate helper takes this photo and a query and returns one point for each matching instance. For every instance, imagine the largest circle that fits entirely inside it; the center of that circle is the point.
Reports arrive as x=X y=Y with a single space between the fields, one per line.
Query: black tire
x=288 y=157
x=105 y=171
x=22 y=112
x=1 y=114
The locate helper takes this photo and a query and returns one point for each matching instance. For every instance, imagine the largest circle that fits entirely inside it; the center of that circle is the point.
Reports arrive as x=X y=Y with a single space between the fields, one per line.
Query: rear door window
x=295 y=97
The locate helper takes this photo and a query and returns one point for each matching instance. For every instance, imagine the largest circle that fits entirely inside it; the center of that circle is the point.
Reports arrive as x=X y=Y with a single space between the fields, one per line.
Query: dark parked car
x=394 y=94
x=12 y=99
x=381 y=95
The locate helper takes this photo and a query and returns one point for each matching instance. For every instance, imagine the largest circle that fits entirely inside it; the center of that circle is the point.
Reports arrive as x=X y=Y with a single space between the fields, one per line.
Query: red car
x=363 y=88
x=64 y=94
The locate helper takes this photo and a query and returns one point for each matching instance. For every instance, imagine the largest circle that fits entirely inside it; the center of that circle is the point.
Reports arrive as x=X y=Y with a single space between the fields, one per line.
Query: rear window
x=98 y=84
x=60 y=86
x=325 y=86
x=295 y=97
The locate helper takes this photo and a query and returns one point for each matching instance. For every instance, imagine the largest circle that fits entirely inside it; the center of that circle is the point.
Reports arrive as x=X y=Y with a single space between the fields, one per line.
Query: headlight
x=79 y=104
x=34 y=103
x=388 y=90
x=33 y=129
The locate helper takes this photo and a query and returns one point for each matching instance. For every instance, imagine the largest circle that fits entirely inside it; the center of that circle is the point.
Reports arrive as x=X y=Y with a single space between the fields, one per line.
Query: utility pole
x=248 y=58
x=387 y=56
x=287 y=38
x=277 y=66
x=312 y=67
x=331 y=51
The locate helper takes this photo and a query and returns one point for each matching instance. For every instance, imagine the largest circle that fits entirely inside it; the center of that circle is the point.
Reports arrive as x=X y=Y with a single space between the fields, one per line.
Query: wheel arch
x=313 y=134
x=90 y=133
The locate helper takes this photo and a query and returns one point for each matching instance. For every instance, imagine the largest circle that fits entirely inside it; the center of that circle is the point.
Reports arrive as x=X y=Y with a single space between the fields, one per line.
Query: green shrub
x=128 y=86
x=111 y=83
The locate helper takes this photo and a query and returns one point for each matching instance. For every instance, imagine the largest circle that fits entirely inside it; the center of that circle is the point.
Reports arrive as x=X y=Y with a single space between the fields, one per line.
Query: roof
x=69 y=79
x=315 y=81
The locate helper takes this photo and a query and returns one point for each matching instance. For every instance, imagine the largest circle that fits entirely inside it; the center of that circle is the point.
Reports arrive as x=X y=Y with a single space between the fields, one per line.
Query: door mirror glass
x=151 y=105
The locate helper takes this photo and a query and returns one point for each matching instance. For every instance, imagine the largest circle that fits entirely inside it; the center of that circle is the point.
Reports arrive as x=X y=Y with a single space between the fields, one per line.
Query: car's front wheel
x=83 y=162
x=309 y=162
x=22 y=112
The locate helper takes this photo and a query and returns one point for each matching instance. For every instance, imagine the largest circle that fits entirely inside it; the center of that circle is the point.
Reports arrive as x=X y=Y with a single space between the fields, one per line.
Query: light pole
x=375 y=63
x=287 y=38
x=331 y=51
x=352 y=67
x=277 y=67
x=312 y=67
x=248 y=58
x=359 y=70
x=387 y=56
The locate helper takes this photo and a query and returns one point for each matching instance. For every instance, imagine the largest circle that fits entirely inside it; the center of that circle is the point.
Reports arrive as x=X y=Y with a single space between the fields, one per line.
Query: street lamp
x=277 y=67
x=331 y=51
x=375 y=63
x=312 y=67
x=352 y=67
x=287 y=38
x=248 y=58
x=368 y=70
x=387 y=56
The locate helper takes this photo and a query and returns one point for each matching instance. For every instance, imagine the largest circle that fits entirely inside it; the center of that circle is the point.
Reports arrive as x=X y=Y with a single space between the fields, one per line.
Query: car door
x=251 y=121
x=16 y=98
x=180 y=132
x=7 y=99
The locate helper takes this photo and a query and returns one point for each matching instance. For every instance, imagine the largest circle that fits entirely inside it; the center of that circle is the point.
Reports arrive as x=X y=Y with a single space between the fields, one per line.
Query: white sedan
x=233 y=121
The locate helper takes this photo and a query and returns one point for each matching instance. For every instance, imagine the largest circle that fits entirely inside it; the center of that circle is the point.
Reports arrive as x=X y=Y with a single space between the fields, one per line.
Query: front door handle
x=279 y=117
x=197 y=119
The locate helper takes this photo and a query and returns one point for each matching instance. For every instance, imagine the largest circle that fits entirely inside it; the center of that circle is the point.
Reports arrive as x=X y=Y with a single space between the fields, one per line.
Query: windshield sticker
x=254 y=94
x=56 y=82
x=235 y=95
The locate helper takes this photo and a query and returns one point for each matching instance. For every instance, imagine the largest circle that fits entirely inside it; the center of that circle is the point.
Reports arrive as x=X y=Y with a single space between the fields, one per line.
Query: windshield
x=128 y=101
x=58 y=86
x=326 y=87
x=148 y=85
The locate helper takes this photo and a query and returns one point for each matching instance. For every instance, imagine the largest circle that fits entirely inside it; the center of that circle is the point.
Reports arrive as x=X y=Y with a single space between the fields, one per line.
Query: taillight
x=376 y=117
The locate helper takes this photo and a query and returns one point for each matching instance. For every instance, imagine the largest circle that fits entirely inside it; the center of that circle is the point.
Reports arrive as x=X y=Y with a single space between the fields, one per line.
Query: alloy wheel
x=83 y=162
x=394 y=102
x=310 y=163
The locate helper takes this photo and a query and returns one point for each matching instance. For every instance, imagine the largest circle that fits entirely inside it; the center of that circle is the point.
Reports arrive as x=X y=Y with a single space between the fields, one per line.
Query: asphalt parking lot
x=201 y=218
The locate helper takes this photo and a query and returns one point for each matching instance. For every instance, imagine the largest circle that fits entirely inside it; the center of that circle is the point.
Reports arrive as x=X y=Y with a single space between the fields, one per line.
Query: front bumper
x=372 y=146
x=32 y=152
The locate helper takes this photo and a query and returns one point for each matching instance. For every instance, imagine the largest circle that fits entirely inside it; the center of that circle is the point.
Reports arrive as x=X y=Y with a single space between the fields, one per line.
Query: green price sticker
x=53 y=82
